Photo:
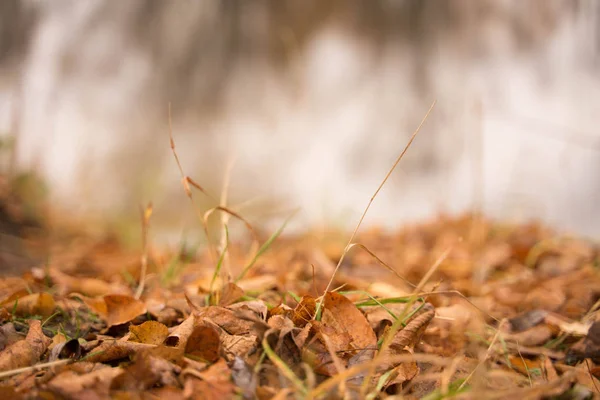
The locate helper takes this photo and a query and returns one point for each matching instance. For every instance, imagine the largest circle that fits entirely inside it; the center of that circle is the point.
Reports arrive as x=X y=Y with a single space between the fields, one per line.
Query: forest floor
x=459 y=307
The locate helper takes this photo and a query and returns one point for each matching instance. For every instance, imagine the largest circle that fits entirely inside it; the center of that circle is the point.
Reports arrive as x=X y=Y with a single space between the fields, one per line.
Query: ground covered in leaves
x=462 y=307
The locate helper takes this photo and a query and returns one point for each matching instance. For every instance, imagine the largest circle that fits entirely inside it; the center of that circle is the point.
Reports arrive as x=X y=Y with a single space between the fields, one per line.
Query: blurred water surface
x=310 y=102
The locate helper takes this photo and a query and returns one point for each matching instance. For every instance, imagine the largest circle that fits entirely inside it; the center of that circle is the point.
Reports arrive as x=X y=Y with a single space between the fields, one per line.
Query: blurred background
x=307 y=104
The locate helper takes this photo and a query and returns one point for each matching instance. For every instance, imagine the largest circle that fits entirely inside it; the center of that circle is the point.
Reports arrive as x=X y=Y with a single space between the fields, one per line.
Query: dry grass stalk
x=412 y=138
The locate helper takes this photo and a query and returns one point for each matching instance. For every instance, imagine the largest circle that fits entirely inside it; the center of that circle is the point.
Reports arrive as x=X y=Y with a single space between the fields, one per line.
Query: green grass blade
x=264 y=248
x=220 y=262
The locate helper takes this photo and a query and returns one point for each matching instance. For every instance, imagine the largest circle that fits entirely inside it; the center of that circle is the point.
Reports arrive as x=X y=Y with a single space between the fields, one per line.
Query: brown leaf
x=9 y=299
x=404 y=341
x=304 y=311
x=121 y=308
x=229 y=294
x=551 y=374
x=88 y=286
x=171 y=354
x=252 y=310
x=8 y=335
x=93 y=385
x=204 y=343
x=150 y=332
x=179 y=336
x=327 y=341
x=65 y=349
x=536 y=336
x=238 y=345
x=527 y=320
x=343 y=331
x=213 y=383
x=97 y=305
x=524 y=365
x=27 y=351
x=9 y=392
x=110 y=350
x=546 y=297
x=227 y=320
x=145 y=372
x=410 y=334
x=403 y=372
x=36 y=304
x=342 y=315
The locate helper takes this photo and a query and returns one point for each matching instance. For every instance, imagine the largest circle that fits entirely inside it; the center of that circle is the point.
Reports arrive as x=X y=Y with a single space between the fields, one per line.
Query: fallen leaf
x=535 y=336
x=88 y=286
x=65 y=349
x=111 y=350
x=342 y=315
x=145 y=372
x=180 y=335
x=343 y=331
x=524 y=365
x=150 y=332
x=404 y=340
x=229 y=294
x=204 y=343
x=122 y=308
x=8 y=335
x=213 y=383
x=93 y=385
x=527 y=320
x=304 y=311
x=10 y=298
x=26 y=352
x=35 y=304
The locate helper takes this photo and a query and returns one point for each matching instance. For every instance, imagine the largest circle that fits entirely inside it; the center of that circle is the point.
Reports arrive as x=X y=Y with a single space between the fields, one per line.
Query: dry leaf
x=92 y=385
x=404 y=340
x=35 y=304
x=343 y=331
x=304 y=311
x=26 y=352
x=204 y=343
x=213 y=383
x=150 y=332
x=342 y=315
x=110 y=350
x=230 y=293
x=146 y=372
x=122 y=308
x=180 y=335
x=8 y=335
x=88 y=286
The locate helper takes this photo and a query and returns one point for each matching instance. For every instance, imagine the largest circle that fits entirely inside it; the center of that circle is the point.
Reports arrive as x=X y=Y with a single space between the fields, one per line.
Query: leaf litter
x=458 y=306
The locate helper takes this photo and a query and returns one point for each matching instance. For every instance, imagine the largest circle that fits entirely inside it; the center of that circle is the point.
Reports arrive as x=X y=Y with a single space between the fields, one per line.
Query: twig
x=587 y=364
x=36 y=367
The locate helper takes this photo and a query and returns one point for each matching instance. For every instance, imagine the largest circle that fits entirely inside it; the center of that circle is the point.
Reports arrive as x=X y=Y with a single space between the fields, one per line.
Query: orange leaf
x=150 y=332
x=122 y=308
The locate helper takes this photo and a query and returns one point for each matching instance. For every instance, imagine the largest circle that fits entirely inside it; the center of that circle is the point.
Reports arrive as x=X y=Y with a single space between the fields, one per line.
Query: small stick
x=36 y=367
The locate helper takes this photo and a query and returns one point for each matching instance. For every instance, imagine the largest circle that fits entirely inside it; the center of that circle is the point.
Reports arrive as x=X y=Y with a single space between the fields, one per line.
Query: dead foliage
x=455 y=307
x=511 y=312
